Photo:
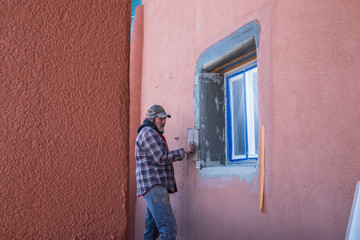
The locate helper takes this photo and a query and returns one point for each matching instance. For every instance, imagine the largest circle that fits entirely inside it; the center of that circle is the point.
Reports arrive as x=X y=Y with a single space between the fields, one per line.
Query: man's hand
x=189 y=148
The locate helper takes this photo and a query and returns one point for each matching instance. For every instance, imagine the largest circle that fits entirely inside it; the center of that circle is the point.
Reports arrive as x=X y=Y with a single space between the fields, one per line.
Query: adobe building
x=224 y=70
x=227 y=68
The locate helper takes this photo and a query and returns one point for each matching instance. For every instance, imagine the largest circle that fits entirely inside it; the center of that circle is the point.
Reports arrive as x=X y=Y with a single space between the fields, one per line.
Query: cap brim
x=164 y=115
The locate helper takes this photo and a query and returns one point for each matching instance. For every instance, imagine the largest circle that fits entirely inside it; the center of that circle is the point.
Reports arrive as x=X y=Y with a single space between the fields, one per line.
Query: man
x=155 y=174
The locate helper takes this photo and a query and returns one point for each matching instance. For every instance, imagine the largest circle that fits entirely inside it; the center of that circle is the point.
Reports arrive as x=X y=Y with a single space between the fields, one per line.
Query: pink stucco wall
x=63 y=119
x=309 y=66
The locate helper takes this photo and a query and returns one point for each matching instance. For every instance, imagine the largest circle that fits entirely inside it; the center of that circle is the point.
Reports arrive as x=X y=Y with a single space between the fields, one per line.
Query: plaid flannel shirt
x=154 y=161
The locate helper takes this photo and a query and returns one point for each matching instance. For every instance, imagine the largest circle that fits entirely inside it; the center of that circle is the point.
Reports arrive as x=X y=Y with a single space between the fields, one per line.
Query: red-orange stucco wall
x=309 y=70
x=64 y=106
x=135 y=103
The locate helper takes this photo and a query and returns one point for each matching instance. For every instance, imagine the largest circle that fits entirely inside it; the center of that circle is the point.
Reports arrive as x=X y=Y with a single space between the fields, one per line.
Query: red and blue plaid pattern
x=154 y=161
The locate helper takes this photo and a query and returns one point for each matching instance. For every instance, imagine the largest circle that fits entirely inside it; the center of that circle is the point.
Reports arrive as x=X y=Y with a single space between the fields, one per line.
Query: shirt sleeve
x=154 y=148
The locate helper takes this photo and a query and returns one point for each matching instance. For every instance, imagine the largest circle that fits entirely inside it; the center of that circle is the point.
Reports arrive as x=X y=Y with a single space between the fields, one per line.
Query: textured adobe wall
x=64 y=106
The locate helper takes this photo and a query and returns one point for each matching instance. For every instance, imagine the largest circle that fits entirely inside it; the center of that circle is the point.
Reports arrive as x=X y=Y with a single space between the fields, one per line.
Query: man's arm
x=153 y=147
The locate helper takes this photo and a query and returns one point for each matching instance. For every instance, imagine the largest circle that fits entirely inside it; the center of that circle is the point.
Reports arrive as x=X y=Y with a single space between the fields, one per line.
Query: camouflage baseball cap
x=157 y=111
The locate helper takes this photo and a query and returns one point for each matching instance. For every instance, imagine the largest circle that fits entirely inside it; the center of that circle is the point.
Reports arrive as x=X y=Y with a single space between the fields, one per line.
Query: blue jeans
x=159 y=218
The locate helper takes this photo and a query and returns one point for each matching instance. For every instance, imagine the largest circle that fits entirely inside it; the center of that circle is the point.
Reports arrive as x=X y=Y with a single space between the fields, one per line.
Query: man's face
x=160 y=123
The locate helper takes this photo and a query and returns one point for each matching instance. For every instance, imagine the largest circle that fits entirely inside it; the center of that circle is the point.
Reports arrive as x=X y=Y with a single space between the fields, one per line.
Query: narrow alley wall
x=64 y=106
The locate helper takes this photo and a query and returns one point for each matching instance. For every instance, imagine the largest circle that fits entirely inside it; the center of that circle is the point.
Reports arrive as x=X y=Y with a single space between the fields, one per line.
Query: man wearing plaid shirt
x=155 y=174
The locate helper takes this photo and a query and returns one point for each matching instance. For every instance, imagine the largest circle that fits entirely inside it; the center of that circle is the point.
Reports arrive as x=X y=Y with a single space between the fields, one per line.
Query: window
x=242 y=121
x=225 y=100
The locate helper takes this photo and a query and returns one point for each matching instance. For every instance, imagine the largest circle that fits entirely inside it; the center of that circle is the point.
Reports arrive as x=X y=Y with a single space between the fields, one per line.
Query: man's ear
x=151 y=119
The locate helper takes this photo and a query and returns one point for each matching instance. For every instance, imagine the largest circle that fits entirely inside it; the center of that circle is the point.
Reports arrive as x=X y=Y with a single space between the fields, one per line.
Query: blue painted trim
x=230 y=158
x=228 y=122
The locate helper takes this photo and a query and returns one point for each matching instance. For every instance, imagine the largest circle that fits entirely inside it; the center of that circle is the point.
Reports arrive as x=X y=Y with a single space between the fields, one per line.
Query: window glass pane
x=252 y=112
x=238 y=115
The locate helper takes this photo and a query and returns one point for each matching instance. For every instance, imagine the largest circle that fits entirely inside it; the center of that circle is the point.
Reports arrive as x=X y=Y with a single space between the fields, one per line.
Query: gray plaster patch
x=244 y=173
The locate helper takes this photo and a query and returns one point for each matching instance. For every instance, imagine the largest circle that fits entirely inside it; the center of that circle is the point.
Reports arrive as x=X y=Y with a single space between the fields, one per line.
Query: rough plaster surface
x=246 y=173
x=209 y=97
x=63 y=119
x=309 y=61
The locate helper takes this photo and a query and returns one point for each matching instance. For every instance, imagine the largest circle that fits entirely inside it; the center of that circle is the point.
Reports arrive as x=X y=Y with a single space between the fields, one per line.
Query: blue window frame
x=242 y=122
